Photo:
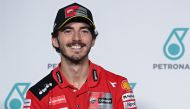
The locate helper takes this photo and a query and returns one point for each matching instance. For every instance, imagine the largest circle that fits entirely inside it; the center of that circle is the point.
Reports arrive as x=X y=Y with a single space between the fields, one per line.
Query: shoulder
x=41 y=88
x=112 y=75
x=107 y=74
x=116 y=81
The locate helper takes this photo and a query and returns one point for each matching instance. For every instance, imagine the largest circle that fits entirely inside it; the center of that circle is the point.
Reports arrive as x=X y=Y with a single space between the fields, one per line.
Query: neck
x=76 y=74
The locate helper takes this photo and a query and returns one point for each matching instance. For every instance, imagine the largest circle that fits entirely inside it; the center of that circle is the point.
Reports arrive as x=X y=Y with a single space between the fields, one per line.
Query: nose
x=77 y=36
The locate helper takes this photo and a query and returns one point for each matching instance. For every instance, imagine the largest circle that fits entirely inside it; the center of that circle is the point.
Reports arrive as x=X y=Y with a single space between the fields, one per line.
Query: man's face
x=74 y=41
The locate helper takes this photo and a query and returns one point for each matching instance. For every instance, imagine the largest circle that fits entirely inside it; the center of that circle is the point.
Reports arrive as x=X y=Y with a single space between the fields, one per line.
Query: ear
x=55 y=42
x=93 y=42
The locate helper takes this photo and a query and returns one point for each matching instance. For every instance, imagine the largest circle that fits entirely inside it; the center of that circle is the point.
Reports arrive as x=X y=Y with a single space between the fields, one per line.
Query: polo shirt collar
x=92 y=81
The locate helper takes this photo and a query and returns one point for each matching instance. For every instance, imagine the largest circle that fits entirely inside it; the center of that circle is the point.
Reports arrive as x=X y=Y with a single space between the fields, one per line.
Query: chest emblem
x=57 y=100
x=100 y=100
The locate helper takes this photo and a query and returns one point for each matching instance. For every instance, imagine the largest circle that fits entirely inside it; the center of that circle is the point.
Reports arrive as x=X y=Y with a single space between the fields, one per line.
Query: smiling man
x=77 y=83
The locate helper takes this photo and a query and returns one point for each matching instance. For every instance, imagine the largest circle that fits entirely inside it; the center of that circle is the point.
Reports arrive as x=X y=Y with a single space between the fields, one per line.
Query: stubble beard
x=73 y=59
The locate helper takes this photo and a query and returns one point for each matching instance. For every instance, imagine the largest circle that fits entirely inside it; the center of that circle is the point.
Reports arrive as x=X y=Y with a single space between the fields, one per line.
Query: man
x=77 y=83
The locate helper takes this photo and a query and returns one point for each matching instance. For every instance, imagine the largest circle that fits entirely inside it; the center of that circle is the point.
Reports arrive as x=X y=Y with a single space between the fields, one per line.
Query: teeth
x=76 y=47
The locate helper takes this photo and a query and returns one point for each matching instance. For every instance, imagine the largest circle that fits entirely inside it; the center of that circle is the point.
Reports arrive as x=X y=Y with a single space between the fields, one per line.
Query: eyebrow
x=65 y=27
x=69 y=27
x=85 y=27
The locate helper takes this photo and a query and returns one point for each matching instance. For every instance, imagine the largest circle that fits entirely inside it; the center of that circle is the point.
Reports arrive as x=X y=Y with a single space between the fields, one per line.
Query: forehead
x=77 y=25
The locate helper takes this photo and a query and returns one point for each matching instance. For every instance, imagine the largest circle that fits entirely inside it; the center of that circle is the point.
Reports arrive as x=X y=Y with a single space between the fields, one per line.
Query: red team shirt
x=102 y=90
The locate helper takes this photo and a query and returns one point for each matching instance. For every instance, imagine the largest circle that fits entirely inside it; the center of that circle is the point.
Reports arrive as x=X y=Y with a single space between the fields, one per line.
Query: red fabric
x=110 y=91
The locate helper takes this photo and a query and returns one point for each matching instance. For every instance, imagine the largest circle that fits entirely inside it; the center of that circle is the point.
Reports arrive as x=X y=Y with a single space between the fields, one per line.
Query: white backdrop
x=132 y=34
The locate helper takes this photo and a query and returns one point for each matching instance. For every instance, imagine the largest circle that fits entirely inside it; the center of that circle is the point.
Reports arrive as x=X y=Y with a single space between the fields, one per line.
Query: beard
x=74 y=59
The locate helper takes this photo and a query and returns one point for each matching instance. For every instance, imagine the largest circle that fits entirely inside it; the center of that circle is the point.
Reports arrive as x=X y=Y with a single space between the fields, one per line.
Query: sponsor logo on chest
x=128 y=96
x=100 y=100
x=57 y=100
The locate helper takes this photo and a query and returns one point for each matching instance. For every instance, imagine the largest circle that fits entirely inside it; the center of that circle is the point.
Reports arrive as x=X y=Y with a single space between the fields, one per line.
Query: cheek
x=87 y=39
x=91 y=42
x=88 y=43
x=62 y=41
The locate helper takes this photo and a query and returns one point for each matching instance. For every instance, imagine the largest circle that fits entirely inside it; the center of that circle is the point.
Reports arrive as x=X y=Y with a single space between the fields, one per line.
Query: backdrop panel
x=146 y=41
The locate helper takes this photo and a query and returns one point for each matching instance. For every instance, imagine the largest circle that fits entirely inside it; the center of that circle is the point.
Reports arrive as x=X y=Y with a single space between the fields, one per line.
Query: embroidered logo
x=113 y=84
x=57 y=100
x=100 y=100
x=125 y=85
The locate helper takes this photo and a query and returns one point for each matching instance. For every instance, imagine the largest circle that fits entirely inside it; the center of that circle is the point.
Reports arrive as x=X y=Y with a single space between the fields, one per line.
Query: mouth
x=76 y=46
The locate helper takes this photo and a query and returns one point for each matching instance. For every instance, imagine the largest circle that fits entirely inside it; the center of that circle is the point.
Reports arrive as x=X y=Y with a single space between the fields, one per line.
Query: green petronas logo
x=174 y=48
x=132 y=85
x=16 y=97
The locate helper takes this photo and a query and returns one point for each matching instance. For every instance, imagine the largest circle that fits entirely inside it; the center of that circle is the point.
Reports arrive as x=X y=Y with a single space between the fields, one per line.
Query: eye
x=67 y=31
x=85 y=31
